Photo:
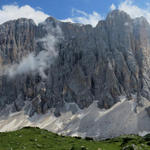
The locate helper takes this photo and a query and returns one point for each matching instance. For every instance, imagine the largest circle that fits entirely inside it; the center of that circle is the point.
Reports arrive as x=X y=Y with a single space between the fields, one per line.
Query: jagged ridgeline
x=54 y=64
x=100 y=63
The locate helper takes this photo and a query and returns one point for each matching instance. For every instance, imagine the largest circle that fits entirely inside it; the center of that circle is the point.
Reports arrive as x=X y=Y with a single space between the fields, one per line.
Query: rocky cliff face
x=101 y=63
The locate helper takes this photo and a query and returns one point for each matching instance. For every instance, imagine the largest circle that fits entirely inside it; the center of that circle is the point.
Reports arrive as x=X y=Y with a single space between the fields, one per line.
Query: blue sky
x=62 y=9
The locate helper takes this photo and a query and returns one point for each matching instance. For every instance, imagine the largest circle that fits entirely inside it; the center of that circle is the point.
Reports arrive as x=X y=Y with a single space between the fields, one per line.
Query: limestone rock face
x=100 y=63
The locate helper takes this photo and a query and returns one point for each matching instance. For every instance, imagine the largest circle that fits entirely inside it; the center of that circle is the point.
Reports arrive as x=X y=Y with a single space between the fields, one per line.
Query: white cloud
x=127 y=5
x=36 y=63
x=84 y=18
x=135 y=11
x=112 y=7
x=10 y=12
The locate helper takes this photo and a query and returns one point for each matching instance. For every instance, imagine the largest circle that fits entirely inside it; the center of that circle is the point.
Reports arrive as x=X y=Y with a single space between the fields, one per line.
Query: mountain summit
x=101 y=75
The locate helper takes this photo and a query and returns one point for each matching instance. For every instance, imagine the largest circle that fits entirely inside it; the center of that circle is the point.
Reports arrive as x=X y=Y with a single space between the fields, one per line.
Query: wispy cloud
x=82 y=17
x=134 y=11
x=10 y=12
x=112 y=7
x=36 y=63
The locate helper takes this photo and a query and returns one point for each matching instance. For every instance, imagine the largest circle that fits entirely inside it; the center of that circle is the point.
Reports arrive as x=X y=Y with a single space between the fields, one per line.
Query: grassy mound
x=38 y=139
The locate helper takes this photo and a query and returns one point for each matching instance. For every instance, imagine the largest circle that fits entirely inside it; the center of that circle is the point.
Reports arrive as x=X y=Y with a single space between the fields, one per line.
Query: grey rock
x=100 y=63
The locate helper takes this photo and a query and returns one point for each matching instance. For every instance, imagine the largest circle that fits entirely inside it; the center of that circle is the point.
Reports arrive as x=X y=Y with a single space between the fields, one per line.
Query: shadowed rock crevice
x=100 y=63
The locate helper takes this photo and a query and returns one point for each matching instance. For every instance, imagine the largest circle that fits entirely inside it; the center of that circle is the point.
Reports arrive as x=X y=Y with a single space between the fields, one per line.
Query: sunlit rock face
x=101 y=63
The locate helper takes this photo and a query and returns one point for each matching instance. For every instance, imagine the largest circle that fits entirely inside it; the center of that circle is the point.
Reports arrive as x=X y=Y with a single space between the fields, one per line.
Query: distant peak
x=117 y=14
x=140 y=20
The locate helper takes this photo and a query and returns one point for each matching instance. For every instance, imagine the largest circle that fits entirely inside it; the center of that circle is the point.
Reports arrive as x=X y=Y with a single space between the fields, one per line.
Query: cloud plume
x=37 y=63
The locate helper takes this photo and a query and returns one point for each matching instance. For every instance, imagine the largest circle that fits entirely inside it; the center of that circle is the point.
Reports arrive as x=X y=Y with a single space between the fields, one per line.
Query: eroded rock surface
x=100 y=63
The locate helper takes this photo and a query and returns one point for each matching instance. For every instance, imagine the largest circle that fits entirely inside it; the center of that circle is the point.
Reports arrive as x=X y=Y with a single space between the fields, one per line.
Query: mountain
x=84 y=80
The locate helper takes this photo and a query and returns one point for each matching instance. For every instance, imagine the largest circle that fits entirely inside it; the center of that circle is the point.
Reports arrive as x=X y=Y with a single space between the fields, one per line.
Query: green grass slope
x=38 y=139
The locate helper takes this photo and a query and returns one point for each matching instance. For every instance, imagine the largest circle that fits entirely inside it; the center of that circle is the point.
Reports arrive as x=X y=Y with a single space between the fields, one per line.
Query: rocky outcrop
x=100 y=63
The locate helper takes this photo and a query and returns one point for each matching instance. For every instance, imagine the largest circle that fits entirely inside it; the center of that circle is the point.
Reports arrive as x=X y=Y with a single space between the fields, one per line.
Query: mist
x=37 y=63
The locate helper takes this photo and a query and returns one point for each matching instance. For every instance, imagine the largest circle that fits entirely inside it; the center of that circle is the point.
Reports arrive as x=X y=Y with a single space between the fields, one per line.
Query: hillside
x=38 y=139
